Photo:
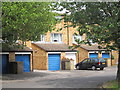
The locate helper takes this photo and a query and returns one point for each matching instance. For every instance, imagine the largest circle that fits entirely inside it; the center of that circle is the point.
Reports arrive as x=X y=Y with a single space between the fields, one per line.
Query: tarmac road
x=60 y=79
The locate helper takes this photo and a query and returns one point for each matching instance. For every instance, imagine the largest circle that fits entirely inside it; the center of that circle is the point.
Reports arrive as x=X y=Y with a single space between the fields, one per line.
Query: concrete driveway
x=60 y=79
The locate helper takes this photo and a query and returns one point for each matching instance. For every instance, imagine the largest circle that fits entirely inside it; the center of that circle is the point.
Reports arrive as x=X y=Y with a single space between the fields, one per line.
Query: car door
x=84 y=64
x=89 y=62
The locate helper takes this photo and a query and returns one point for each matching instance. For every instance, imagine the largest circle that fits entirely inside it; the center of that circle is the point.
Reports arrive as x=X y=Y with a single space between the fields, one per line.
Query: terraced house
x=53 y=46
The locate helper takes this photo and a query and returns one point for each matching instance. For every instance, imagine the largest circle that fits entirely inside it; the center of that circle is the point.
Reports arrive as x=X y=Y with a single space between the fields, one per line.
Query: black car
x=91 y=63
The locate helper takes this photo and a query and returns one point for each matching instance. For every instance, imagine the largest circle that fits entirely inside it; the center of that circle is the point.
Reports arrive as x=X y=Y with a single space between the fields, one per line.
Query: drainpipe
x=67 y=34
x=78 y=57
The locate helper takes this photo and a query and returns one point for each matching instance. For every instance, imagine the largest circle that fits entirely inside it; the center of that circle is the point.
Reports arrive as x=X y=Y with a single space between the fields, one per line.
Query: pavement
x=60 y=79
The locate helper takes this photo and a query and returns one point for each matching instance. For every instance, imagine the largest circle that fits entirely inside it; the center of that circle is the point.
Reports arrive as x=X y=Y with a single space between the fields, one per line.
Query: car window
x=84 y=61
x=94 y=59
x=89 y=60
x=102 y=60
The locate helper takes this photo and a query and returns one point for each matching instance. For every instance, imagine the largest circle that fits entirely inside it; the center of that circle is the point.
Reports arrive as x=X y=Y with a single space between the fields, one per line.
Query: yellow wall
x=39 y=58
x=69 y=37
x=67 y=34
x=82 y=54
x=115 y=54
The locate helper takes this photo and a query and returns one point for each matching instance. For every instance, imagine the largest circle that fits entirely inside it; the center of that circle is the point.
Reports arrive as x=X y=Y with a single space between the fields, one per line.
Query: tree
x=25 y=21
x=100 y=21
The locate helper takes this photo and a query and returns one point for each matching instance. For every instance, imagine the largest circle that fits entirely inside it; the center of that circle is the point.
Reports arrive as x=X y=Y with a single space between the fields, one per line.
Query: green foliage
x=25 y=21
x=98 y=20
x=112 y=57
x=111 y=84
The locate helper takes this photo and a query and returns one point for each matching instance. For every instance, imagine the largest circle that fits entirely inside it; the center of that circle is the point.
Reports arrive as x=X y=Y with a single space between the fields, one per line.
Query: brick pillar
x=31 y=62
x=99 y=55
x=108 y=62
x=28 y=44
x=61 y=57
x=12 y=57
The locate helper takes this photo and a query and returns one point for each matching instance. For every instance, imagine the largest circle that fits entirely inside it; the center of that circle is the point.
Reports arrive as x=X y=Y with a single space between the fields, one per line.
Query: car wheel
x=93 y=68
x=78 y=67
x=101 y=68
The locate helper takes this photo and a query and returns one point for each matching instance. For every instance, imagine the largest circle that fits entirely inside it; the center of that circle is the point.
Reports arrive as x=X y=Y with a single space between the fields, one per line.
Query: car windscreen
x=102 y=60
x=94 y=59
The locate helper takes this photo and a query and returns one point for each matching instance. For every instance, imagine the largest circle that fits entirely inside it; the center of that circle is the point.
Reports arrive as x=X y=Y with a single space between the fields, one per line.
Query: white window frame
x=42 y=38
x=58 y=17
x=77 y=37
x=91 y=41
x=58 y=39
x=54 y=52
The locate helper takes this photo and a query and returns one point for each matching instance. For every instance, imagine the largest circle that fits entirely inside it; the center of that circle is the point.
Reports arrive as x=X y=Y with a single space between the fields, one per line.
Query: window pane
x=42 y=37
x=60 y=38
x=85 y=61
x=75 y=37
x=56 y=37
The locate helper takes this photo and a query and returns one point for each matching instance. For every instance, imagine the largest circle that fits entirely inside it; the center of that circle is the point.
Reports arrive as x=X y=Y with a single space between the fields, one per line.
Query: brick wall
x=40 y=58
x=82 y=54
x=11 y=56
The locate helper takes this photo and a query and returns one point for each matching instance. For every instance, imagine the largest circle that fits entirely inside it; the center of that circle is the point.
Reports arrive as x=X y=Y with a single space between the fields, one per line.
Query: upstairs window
x=77 y=37
x=42 y=38
x=91 y=41
x=56 y=37
x=58 y=17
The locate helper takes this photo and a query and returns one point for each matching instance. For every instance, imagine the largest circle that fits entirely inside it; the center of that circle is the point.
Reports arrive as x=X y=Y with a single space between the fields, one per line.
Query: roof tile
x=53 y=47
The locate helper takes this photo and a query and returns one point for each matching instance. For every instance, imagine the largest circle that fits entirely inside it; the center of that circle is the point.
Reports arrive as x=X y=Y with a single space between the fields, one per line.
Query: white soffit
x=93 y=51
x=54 y=52
x=22 y=52
x=70 y=52
x=4 y=52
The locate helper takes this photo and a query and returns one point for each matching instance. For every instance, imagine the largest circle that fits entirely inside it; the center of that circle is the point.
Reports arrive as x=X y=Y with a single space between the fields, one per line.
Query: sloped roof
x=25 y=49
x=54 y=47
x=92 y=48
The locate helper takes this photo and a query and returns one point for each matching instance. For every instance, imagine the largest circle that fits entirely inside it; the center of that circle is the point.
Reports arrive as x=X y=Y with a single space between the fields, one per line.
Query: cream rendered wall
x=71 y=56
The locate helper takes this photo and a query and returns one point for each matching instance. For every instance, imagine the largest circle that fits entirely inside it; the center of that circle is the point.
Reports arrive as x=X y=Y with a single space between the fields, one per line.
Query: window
x=85 y=61
x=56 y=37
x=76 y=37
x=102 y=60
x=58 y=17
x=42 y=38
x=70 y=0
x=91 y=41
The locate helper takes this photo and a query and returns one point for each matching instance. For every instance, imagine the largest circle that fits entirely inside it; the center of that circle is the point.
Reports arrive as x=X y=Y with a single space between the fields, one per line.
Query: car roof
x=94 y=58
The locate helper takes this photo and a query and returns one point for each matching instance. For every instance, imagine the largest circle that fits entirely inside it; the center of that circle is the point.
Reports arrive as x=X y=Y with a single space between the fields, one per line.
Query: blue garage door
x=93 y=55
x=5 y=64
x=26 y=60
x=105 y=55
x=54 y=62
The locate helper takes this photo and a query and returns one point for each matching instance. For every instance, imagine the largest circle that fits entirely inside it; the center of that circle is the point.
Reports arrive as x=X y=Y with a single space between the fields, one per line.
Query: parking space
x=59 y=79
